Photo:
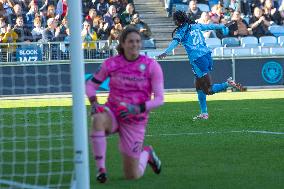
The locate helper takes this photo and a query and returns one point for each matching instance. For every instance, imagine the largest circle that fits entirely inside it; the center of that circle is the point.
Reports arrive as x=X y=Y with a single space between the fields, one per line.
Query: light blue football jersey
x=191 y=37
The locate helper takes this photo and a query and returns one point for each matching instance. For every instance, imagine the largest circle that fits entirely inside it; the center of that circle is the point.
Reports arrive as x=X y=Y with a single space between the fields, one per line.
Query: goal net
x=36 y=131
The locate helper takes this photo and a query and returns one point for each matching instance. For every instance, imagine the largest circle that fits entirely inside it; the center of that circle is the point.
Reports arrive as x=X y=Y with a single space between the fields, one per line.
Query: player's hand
x=161 y=56
x=125 y=110
x=225 y=30
x=97 y=108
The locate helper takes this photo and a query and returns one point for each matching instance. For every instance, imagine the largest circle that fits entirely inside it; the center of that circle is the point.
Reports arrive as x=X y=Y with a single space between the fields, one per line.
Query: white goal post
x=43 y=133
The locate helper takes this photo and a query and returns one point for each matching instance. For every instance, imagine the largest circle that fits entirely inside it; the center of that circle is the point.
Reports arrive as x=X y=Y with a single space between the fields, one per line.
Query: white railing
x=51 y=51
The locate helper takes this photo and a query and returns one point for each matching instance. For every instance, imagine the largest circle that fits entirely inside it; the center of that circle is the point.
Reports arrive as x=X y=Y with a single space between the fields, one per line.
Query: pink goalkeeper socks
x=143 y=160
x=99 y=148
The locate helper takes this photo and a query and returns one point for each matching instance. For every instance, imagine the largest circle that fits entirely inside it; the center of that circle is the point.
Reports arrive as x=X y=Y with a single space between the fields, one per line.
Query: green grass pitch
x=240 y=146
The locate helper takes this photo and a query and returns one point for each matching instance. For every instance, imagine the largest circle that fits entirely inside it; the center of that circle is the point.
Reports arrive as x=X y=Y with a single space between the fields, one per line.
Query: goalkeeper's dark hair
x=123 y=36
x=182 y=17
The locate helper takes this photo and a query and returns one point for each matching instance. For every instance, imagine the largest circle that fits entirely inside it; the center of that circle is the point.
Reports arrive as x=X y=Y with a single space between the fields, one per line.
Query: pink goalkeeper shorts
x=131 y=133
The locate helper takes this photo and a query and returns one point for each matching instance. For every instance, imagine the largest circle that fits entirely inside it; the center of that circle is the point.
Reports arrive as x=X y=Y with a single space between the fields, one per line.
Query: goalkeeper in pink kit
x=133 y=79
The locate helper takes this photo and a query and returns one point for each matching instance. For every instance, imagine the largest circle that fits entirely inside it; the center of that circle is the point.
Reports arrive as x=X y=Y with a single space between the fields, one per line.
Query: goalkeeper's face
x=132 y=44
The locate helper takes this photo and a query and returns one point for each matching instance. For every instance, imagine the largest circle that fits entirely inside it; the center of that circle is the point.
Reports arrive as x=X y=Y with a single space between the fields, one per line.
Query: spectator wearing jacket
x=194 y=12
x=142 y=27
x=24 y=34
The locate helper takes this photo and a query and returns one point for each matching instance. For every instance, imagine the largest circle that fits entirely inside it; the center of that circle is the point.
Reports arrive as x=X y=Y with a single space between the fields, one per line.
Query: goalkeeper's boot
x=233 y=84
x=153 y=160
x=201 y=116
x=102 y=176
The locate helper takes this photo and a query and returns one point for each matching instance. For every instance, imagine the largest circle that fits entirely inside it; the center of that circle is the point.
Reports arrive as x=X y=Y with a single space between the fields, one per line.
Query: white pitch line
x=185 y=134
x=216 y=132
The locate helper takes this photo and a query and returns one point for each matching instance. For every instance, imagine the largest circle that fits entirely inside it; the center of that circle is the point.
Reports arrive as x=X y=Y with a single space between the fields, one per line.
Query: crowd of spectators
x=246 y=17
x=46 y=21
x=103 y=20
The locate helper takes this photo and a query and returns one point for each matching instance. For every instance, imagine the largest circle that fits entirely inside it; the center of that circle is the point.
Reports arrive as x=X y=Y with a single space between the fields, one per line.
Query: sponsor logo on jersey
x=142 y=67
x=132 y=78
x=272 y=72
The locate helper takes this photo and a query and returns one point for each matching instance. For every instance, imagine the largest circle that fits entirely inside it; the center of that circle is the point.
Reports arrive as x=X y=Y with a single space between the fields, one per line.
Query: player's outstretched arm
x=174 y=43
x=223 y=27
x=211 y=26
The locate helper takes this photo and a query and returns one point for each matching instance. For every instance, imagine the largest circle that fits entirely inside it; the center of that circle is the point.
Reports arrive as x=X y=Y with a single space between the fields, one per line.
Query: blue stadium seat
x=218 y=51
x=276 y=30
x=249 y=41
x=181 y=7
x=148 y=44
x=281 y=41
x=242 y=51
x=213 y=42
x=230 y=42
x=152 y=53
x=277 y=51
x=227 y=51
x=268 y=41
x=222 y=51
x=203 y=7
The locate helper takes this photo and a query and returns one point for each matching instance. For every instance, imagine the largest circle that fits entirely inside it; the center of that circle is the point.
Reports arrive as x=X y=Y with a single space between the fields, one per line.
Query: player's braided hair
x=181 y=17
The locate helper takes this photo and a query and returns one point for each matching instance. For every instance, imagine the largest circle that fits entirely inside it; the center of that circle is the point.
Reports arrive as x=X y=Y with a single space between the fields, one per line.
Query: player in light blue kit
x=188 y=33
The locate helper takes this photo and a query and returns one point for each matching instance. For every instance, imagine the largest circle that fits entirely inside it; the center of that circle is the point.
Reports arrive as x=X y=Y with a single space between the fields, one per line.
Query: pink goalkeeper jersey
x=131 y=82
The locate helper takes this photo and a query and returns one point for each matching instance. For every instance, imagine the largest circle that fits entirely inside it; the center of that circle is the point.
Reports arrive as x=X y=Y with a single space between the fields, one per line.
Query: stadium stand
x=213 y=42
x=242 y=51
x=203 y=7
x=230 y=42
x=276 y=30
x=281 y=41
x=277 y=51
x=268 y=41
x=181 y=7
x=36 y=14
x=249 y=41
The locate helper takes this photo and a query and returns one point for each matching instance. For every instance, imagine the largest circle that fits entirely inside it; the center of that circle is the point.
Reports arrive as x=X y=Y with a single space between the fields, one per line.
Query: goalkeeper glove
x=125 y=111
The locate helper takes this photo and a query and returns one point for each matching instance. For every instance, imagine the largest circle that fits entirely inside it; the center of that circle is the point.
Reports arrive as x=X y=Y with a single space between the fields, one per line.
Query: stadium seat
x=222 y=52
x=203 y=7
x=249 y=41
x=281 y=41
x=277 y=51
x=276 y=30
x=217 y=52
x=148 y=44
x=151 y=53
x=227 y=51
x=242 y=51
x=181 y=7
x=213 y=42
x=264 y=51
x=268 y=41
x=230 y=42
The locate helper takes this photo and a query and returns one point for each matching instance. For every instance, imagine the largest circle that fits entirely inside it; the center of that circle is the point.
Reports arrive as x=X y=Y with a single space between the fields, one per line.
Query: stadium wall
x=178 y=75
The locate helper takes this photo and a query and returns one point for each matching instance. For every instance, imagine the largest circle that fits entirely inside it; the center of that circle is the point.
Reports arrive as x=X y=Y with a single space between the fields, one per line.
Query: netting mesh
x=36 y=139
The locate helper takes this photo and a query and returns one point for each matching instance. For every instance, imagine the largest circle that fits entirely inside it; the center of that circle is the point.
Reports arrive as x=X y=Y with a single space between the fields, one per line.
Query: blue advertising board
x=55 y=78
x=29 y=53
